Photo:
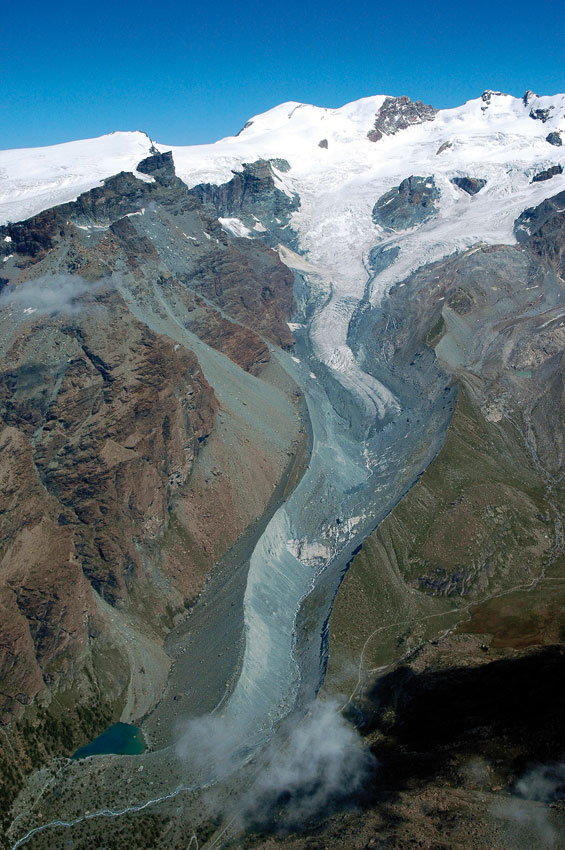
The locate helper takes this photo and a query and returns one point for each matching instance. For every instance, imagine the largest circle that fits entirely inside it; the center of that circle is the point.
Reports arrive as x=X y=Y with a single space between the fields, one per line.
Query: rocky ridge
x=111 y=435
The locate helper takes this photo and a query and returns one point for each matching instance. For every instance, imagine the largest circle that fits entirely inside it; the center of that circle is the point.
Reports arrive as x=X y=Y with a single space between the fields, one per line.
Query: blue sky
x=194 y=72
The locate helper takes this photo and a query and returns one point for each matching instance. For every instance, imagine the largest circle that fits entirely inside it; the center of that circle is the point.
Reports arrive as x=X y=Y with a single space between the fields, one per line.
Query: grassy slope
x=475 y=525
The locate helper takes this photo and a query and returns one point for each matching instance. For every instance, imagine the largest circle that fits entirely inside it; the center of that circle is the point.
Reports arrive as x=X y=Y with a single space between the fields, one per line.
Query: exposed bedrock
x=543 y=229
x=380 y=258
x=253 y=197
x=547 y=174
x=542 y=115
x=471 y=185
x=554 y=138
x=411 y=203
x=398 y=113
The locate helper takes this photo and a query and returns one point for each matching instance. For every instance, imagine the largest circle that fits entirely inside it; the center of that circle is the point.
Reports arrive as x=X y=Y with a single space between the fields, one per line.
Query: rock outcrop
x=471 y=185
x=253 y=197
x=547 y=174
x=542 y=115
x=543 y=228
x=411 y=203
x=398 y=113
x=445 y=146
x=488 y=96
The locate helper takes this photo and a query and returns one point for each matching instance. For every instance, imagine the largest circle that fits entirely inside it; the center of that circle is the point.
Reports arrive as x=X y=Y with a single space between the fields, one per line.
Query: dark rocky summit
x=160 y=166
x=471 y=185
x=487 y=97
x=411 y=203
x=554 y=138
x=528 y=96
x=398 y=113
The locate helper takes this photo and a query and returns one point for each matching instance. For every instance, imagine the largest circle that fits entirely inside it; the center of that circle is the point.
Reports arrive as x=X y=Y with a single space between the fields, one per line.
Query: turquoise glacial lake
x=121 y=739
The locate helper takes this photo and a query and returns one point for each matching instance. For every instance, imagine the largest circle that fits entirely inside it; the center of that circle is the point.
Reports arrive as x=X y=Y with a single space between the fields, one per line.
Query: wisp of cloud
x=320 y=763
x=532 y=792
x=313 y=764
x=49 y=294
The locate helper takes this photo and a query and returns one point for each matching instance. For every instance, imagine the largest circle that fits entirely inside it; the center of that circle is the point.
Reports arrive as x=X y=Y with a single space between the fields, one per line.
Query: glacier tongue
x=302 y=541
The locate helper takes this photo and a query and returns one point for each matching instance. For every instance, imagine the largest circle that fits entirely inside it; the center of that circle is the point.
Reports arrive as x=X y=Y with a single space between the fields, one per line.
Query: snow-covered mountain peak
x=302 y=118
x=354 y=121
x=34 y=179
x=315 y=140
x=528 y=114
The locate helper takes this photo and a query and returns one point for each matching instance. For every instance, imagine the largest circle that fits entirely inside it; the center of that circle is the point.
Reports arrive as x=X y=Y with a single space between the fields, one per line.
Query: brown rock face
x=95 y=443
x=250 y=286
x=102 y=415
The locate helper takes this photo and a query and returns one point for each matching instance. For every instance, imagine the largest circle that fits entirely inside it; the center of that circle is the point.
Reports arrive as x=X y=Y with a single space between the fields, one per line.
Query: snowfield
x=35 y=179
x=493 y=138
